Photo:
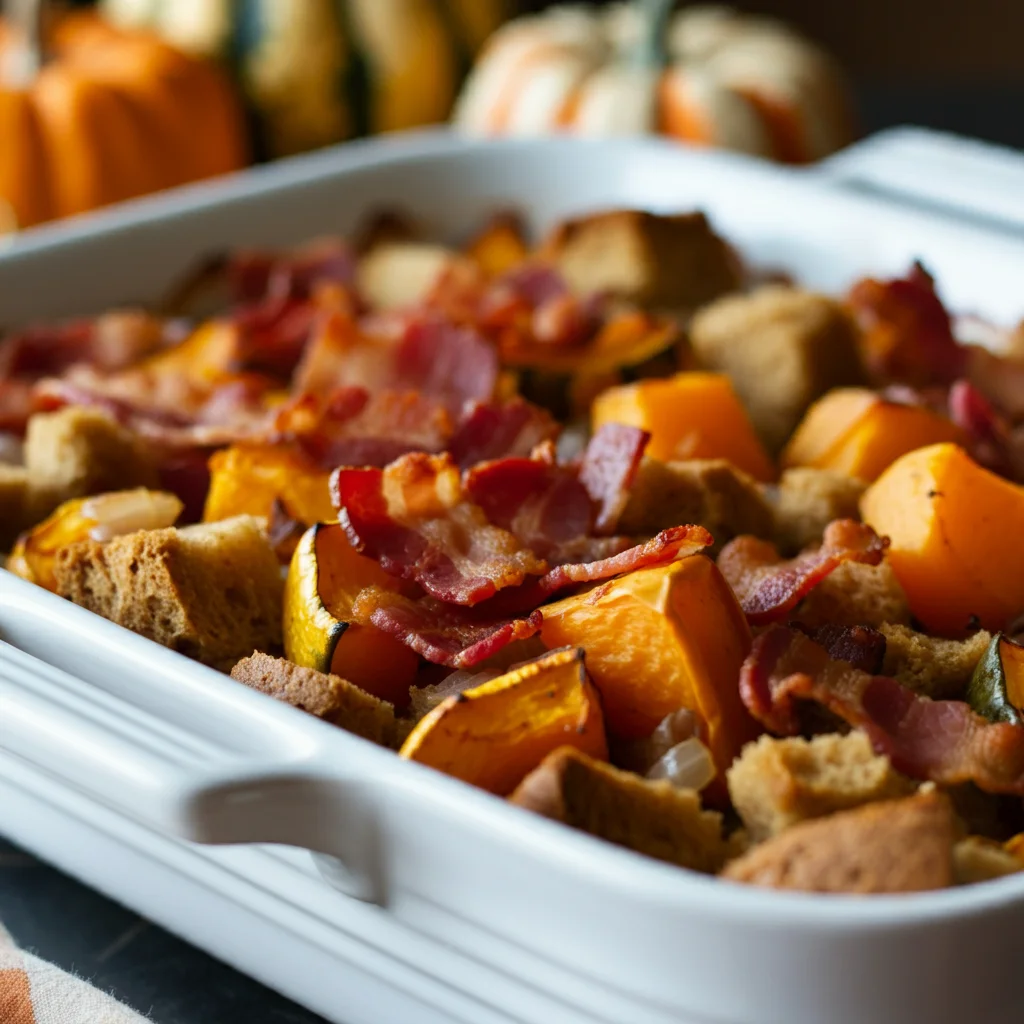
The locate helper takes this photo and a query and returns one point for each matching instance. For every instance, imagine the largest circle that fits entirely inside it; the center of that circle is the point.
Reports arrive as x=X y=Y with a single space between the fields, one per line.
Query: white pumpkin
x=717 y=78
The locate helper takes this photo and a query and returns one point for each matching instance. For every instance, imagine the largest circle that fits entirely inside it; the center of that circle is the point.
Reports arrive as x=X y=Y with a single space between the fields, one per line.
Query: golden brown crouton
x=937 y=668
x=776 y=783
x=13 y=503
x=329 y=697
x=711 y=493
x=654 y=818
x=806 y=500
x=212 y=591
x=856 y=595
x=893 y=846
x=782 y=348
x=659 y=262
x=977 y=859
x=78 y=451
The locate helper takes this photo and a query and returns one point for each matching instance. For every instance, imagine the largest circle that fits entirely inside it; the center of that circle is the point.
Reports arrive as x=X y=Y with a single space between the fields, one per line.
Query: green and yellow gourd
x=320 y=71
x=996 y=689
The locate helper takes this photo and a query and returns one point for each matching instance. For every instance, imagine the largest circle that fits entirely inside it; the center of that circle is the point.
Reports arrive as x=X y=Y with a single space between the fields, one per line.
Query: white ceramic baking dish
x=445 y=904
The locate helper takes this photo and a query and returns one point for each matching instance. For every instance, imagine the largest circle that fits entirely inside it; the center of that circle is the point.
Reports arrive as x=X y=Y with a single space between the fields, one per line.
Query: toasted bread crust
x=937 y=668
x=78 y=451
x=672 y=263
x=856 y=595
x=806 y=500
x=711 y=493
x=887 y=847
x=776 y=783
x=329 y=697
x=782 y=348
x=653 y=818
x=212 y=592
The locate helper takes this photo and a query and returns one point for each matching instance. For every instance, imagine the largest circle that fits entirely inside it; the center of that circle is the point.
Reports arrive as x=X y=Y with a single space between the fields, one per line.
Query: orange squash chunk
x=954 y=531
x=247 y=478
x=858 y=433
x=689 y=416
x=494 y=735
x=325 y=577
x=658 y=640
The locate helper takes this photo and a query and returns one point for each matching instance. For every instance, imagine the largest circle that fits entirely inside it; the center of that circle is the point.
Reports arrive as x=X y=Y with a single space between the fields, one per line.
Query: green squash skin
x=986 y=692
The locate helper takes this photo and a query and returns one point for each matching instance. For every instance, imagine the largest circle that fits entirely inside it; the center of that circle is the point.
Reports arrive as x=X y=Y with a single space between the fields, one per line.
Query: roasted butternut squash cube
x=247 y=479
x=658 y=640
x=953 y=529
x=494 y=735
x=689 y=416
x=856 y=432
x=325 y=577
x=782 y=347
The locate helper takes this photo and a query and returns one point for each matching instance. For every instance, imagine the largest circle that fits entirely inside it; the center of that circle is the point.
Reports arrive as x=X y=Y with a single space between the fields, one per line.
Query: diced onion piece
x=124 y=512
x=687 y=765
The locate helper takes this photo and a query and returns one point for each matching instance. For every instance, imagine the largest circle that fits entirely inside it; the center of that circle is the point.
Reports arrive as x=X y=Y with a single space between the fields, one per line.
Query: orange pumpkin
x=106 y=115
x=707 y=76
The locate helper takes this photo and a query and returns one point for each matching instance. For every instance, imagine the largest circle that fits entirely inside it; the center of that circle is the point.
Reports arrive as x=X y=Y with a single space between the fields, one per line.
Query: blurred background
x=102 y=100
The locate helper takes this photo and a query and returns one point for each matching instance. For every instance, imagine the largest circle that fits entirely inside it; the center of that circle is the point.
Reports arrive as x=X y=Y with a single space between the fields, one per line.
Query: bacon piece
x=610 y=463
x=492 y=431
x=543 y=505
x=668 y=546
x=254 y=275
x=908 y=332
x=352 y=427
x=16 y=405
x=414 y=520
x=940 y=740
x=442 y=633
x=861 y=646
x=769 y=588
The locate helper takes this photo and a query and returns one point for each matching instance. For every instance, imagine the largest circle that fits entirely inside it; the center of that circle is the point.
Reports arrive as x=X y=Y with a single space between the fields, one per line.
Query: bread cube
x=329 y=697
x=807 y=500
x=213 y=591
x=776 y=783
x=782 y=348
x=892 y=846
x=78 y=451
x=667 y=263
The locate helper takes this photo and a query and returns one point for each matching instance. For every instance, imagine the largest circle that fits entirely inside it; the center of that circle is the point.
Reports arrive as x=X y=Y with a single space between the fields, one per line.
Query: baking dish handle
x=962 y=177
x=168 y=777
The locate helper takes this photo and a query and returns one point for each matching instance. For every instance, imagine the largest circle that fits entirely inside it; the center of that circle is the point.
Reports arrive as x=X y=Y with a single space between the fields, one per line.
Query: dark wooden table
x=172 y=982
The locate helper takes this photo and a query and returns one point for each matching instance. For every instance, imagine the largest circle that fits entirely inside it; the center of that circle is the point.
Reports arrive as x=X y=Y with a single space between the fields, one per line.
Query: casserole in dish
x=600 y=933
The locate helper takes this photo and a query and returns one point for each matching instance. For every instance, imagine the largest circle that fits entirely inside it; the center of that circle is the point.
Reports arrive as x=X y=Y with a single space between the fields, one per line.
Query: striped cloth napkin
x=35 y=992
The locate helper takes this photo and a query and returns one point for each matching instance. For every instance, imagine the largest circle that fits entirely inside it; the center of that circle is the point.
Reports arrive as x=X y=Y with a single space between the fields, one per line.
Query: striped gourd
x=318 y=71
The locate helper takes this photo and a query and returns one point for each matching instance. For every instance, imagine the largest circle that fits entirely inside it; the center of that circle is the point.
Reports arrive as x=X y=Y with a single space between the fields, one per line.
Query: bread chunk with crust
x=856 y=595
x=892 y=846
x=653 y=818
x=77 y=451
x=930 y=665
x=776 y=783
x=212 y=591
x=322 y=695
x=782 y=348
x=711 y=493
x=806 y=500
x=665 y=263
x=13 y=504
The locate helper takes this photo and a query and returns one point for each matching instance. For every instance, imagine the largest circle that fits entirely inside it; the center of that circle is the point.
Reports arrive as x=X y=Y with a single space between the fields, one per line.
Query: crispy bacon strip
x=442 y=633
x=495 y=431
x=769 y=588
x=413 y=518
x=352 y=427
x=908 y=334
x=542 y=504
x=943 y=740
x=609 y=467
